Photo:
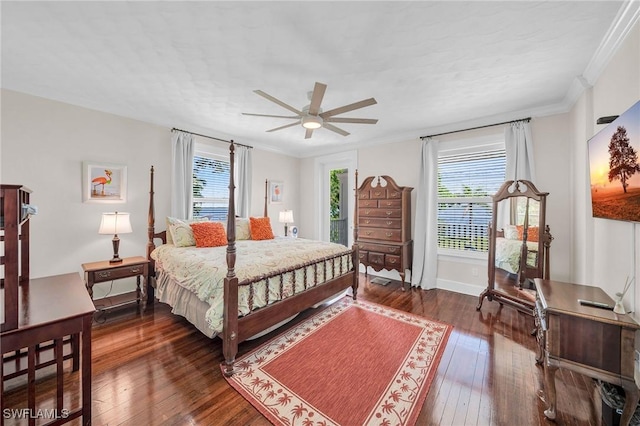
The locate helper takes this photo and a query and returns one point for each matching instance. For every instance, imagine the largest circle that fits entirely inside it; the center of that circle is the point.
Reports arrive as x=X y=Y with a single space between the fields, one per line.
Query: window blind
x=466 y=182
x=210 y=186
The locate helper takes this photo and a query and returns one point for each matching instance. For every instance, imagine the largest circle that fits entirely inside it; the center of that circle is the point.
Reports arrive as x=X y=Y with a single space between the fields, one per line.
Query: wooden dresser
x=383 y=225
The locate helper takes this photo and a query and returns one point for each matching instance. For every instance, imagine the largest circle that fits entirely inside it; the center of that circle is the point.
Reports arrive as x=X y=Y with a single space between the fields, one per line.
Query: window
x=468 y=176
x=210 y=186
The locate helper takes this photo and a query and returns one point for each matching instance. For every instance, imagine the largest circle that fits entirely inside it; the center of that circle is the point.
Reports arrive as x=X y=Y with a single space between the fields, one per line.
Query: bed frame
x=237 y=329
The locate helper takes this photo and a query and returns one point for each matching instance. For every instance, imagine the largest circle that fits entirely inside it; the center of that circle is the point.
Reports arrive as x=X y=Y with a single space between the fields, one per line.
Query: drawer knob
x=389 y=222
x=367 y=221
x=368 y=232
x=104 y=274
x=361 y=255
x=377 y=192
x=389 y=234
x=136 y=270
x=367 y=212
x=389 y=213
x=392 y=261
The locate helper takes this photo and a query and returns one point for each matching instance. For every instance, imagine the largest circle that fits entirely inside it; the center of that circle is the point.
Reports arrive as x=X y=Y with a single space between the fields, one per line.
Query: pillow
x=260 y=228
x=532 y=233
x=510 y=232
x=209 y=234
x=242 y=229
x=179 y=232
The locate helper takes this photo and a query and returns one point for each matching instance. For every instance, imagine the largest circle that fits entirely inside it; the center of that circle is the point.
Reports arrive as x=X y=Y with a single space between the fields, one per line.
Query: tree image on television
x=623 y=159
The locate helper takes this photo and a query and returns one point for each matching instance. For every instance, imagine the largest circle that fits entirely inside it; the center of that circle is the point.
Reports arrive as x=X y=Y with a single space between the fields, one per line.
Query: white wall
x=43 y=146
x=604 y=249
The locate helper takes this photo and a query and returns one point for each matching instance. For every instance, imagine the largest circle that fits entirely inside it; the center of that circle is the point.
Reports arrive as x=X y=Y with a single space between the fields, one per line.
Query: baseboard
x=458 y=287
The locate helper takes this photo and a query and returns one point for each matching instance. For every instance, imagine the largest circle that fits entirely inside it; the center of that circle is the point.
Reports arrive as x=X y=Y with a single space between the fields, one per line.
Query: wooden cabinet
x=14 y=222
x=383 y=225
x=592 y=341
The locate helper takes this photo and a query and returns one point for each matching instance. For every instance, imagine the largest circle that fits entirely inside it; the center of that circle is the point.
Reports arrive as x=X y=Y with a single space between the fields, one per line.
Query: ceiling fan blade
x=284 y=127
x=351 y=120
x=335 y=129
x=268 y=115
x=277 y=101
x=347 y=108
x=316 y=98
x=308 y=133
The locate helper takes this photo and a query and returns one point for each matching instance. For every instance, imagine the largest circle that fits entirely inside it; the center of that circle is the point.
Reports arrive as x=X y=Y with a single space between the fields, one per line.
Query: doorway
x=335 y=180
x=338 y=206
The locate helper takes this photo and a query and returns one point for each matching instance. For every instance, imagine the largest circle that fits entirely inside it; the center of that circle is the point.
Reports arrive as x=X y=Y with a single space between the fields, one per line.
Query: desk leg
x=86 y=369
x=632 y=395
x=550 y=391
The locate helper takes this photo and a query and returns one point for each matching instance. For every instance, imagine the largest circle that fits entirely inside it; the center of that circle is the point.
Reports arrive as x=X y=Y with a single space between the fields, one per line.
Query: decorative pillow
x=179 y=232
x=510 y=232
x=209 y=234
x=532 y=233
x=242 y=229
x=260 y=228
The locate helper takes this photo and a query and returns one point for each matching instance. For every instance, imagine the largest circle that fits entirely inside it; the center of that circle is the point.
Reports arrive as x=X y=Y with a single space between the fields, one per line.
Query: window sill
x=466 y=256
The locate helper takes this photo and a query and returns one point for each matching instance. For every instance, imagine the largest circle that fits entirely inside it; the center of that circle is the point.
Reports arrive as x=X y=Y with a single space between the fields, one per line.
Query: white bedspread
x=508 y=254
x=202 y=270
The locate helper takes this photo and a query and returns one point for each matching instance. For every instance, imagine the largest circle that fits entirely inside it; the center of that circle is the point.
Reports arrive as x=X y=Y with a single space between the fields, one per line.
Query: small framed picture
x=104 y=182
x=275 y=192
x=294 y=231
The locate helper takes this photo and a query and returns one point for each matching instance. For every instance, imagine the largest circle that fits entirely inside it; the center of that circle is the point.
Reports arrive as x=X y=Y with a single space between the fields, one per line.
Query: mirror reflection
x=519 y=242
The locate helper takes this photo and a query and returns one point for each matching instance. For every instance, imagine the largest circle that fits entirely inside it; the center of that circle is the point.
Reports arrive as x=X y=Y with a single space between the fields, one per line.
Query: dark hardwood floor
x=154 y=368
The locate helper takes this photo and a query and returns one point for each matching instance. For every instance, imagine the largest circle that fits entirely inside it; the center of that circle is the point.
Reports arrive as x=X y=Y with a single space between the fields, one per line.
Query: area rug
x=354 y=363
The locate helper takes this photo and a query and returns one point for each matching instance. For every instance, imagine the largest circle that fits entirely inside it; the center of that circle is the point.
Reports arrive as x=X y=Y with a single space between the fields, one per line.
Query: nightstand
x=98 y=272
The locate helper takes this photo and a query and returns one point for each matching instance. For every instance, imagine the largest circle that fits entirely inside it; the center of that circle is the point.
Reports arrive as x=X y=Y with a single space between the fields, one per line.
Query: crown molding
x=620 y=28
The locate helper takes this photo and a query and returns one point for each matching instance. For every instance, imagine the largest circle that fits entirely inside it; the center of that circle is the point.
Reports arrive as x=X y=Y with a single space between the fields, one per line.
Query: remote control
x=595 y=304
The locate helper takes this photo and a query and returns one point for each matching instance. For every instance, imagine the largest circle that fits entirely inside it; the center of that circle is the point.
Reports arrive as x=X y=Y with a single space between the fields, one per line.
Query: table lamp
x=115 y=223
x=286 y=217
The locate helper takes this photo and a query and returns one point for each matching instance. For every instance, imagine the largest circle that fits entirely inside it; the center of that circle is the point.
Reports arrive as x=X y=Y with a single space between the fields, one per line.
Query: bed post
x=230 y=312
x=355 y=253
x=151 y=219
x=266 y=191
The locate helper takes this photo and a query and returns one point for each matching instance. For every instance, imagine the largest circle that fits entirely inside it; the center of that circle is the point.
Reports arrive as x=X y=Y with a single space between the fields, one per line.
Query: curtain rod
x=211 y=137
x=475 y=128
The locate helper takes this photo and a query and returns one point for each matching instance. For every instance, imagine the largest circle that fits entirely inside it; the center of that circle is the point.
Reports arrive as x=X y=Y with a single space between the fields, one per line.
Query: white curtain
x=519 y=149
x=182 y=148
x=425 y=244
x=243 y=177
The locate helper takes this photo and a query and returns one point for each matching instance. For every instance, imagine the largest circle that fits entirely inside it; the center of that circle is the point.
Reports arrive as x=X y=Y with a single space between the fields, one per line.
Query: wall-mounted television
x=614 y=168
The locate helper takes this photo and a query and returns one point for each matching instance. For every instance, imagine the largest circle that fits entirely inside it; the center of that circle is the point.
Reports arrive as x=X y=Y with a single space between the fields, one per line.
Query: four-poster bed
x=272 y=281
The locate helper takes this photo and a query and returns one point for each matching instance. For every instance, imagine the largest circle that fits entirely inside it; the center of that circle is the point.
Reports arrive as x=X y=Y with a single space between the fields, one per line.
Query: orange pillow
x=209 y=234
x=260 y=228
x=533 y=233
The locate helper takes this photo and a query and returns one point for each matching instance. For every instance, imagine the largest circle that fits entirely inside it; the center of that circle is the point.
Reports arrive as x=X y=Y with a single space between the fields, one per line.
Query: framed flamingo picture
x=275 y=192
x=104 y=182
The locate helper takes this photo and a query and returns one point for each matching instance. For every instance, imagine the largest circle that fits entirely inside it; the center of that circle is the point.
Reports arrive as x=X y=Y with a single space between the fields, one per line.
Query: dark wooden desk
x=592 y=341
x=51 y=309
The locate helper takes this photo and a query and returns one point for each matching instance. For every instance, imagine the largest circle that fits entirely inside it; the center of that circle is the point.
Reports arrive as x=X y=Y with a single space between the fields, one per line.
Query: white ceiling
x=431 y=66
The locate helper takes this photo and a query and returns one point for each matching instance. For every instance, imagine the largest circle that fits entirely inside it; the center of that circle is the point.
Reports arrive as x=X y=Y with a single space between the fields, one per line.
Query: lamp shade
x=286 y=216
x=115 y=223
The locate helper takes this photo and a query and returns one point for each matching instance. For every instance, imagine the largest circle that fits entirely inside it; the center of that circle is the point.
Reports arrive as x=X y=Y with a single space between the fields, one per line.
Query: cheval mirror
x=519 y=241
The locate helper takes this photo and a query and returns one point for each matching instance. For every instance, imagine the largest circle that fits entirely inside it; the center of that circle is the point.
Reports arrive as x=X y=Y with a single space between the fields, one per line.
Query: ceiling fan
x=311 y=117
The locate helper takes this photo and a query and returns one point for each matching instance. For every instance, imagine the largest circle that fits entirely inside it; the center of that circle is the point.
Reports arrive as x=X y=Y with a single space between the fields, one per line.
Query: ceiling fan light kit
x=311 y=117
x=311 y=122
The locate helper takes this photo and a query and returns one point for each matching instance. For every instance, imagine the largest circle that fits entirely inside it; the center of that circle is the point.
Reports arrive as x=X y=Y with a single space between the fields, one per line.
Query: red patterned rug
x=354 y=363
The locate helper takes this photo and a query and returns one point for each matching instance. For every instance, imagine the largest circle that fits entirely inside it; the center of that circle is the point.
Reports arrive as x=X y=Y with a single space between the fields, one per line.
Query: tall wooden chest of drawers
x=383 y=231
